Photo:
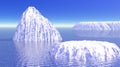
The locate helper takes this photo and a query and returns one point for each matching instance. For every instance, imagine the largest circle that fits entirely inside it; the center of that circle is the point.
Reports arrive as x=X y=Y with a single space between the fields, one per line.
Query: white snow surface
x=98 y=29
x=35 y=27
x=85 y=52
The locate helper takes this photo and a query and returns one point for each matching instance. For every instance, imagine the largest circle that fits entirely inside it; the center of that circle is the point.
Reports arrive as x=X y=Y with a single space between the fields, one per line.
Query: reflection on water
x=33 y=54
x=37 y=54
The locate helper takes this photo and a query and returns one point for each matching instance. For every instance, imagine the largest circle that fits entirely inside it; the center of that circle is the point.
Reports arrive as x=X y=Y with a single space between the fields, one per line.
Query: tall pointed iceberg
x=35 y=27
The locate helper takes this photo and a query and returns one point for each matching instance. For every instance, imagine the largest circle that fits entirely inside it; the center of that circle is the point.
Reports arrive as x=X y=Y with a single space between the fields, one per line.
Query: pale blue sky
x=62 y=11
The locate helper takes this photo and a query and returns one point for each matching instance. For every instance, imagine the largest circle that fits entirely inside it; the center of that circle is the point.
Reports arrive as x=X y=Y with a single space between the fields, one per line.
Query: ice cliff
x=98 y=29
x=82 y=53
x=35 y=27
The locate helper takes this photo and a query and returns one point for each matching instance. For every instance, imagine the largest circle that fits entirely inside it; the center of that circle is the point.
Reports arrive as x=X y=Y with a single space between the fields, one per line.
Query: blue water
x=19 y=54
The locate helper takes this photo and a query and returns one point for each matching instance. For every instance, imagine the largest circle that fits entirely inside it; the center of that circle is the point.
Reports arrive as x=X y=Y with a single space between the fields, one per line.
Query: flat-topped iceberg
x=98 y=29
x=35 y=27
x=83 y=53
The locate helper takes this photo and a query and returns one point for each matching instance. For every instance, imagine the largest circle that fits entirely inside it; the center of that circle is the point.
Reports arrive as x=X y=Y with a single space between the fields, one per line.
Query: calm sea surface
x=32 y=54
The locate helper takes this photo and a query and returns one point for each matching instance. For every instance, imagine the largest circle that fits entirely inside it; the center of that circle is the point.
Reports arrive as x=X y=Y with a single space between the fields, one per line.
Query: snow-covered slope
x=35 y=27
x=85 y=53
x=100 y=29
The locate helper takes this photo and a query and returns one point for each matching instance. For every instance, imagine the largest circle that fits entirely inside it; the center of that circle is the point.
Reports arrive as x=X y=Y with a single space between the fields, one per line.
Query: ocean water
x=36 y=54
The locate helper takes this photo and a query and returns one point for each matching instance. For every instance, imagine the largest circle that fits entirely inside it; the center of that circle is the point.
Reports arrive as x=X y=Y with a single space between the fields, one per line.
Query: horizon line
x=58 y=25
x=55 y=25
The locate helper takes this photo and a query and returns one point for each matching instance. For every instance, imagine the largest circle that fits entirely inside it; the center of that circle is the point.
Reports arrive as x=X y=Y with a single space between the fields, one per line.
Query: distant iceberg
x=35 y=27
x=98 y=29
x=83 y=53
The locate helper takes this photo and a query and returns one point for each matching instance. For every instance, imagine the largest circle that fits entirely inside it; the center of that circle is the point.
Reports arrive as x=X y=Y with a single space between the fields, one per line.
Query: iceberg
x=35 y=27
x=98 y=29
x=85 y=53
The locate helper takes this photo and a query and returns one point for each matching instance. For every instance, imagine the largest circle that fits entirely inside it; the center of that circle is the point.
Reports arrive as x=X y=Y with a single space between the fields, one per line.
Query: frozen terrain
x=35 y=27
x=98 y=29
x=83 y=53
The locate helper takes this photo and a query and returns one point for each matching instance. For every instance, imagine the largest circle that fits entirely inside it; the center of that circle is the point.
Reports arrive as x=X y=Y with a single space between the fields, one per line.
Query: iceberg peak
x=34 y=26
x=32 y=11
